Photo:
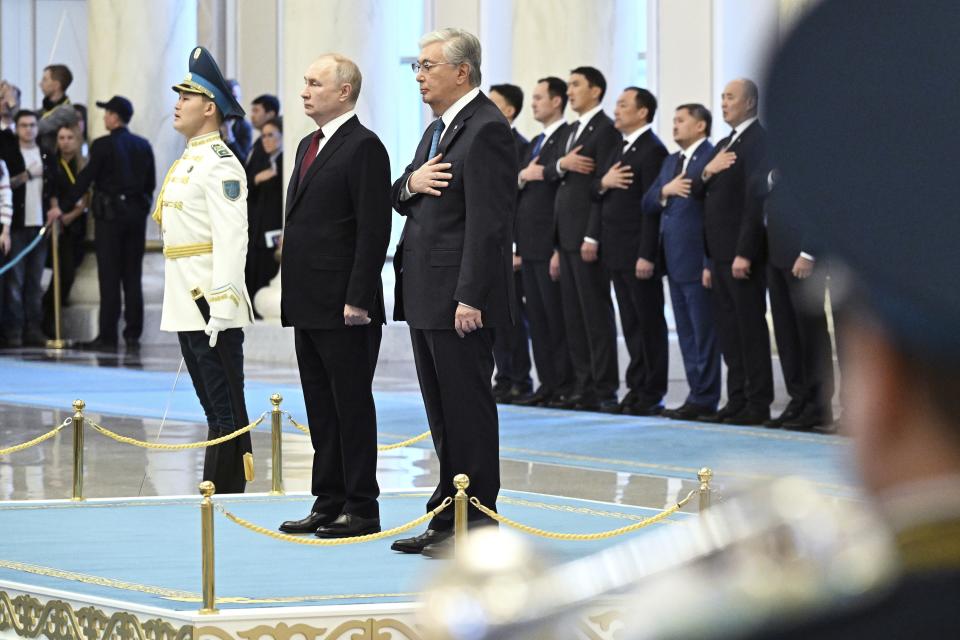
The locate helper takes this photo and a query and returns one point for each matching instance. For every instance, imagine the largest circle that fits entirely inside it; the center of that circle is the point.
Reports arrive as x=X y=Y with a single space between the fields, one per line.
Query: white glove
x=214 y=327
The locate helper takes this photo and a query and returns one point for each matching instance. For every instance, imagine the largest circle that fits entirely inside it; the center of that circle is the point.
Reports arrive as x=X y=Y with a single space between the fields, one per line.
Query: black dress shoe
x=500 y=391
x=99 y=344
x=570 y=401
x=727 y=411
x=629 y=400
x=348 y=525
x=792 y=411
x=34 y=339
x=809 y=419
x=132 y=344
x=750 y=417
x=533 y=399
x=516 y=392
x=687 y=411
x=310 y=524
x=439 y=550
x=417 y=543
x=644 y=409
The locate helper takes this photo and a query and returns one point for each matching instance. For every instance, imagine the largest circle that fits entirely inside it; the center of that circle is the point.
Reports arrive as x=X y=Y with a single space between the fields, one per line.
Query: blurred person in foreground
x=883 y=199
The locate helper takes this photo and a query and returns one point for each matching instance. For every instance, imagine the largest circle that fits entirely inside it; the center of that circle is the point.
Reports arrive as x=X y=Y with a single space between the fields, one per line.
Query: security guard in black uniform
x=202 y=212
x=121 y=169
x=865 y=136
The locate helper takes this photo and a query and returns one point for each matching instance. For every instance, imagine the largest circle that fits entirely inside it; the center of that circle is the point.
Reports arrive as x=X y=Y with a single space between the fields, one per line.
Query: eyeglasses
x=426 y=66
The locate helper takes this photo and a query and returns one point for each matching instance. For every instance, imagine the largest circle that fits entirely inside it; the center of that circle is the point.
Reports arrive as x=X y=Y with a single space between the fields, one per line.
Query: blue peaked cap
x=206 y=79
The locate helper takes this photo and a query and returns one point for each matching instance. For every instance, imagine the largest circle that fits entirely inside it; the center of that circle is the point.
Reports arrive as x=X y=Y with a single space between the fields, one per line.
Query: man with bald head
x=731 y=192
x=335 y=243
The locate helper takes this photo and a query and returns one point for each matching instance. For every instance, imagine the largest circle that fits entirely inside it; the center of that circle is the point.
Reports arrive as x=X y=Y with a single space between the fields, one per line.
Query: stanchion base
x=59 y=344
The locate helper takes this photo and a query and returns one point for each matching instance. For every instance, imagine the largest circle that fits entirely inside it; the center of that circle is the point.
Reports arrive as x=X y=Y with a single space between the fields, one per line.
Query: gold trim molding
x=28 y=617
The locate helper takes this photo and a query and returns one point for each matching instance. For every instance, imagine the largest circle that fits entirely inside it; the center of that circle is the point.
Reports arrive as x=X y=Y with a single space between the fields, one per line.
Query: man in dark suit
x=587 y=307
x=511 y=345
x=681 y=235
x=263 y=109
x=454 y=271
x=337 y=232
x=121 y=170
x=536 y=245
x=630 y=248
x=733 y=223
x=798 y=285
x=898 y=241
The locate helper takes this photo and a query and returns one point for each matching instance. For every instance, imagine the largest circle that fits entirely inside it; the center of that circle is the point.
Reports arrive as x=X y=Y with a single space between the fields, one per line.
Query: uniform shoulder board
x=221 y=150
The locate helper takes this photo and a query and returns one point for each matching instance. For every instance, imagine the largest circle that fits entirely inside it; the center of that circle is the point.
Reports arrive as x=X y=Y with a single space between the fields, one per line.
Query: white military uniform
x=202 y=212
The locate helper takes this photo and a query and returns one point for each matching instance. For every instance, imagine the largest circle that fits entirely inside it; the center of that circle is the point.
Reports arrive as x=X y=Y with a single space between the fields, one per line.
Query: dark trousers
x=23 y=312
x=223 y=463
x=590 y=325
x=336 y=371
x=71 y=252
x=511 y=346
x=120 y=244
x=693 y=314
x=803 y=341
x=645 y=330
x=260 y=269
x=740 y=308
x=454 y=375
x=548 y=336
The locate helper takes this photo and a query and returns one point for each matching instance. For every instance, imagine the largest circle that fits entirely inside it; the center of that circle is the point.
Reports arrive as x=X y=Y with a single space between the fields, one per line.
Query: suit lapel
x=295 y=178
x=460 y=123
x=334 y=143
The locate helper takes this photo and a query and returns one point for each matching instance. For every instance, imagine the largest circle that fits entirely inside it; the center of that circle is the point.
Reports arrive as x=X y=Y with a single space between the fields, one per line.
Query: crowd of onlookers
x=98 y=194
x=602 y=206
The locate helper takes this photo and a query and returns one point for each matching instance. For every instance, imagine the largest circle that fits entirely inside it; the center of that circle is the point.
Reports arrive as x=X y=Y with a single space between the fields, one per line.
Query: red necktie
x=311 y=153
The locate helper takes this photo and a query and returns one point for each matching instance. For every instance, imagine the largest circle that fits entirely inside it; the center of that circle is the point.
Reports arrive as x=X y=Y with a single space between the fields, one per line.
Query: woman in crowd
x=65 y=167
x=265 y=211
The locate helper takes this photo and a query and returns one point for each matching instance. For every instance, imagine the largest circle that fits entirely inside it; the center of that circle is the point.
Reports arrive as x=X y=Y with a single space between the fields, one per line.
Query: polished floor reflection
x=113 y=469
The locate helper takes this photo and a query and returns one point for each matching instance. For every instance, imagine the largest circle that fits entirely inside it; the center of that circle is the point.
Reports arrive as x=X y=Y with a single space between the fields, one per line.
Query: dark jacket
x=733 y=202
x=575 y=205
x=535 y=226
x=681 y=220
x=625 y=234
x=456 y=247
x=337 y=231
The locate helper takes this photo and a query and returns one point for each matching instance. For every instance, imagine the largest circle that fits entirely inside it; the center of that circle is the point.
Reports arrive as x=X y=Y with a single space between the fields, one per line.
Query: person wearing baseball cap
x=121 y=170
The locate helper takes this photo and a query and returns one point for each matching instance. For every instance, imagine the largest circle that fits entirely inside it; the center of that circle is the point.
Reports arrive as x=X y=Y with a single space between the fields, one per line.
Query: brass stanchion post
x=57 y=342
x=460 y=503
x=705 y=475
x=276 y=441
x=207 y=489
x=78 y=406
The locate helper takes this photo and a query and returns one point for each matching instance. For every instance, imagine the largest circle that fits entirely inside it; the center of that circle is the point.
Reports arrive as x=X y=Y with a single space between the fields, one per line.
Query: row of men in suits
x=602 y=202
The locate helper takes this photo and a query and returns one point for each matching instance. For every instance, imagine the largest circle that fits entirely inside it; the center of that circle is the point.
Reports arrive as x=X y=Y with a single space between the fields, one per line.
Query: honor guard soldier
x=202 y=213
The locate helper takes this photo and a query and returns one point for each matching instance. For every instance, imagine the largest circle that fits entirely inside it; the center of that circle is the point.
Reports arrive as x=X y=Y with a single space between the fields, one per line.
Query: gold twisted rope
x=332 y=542
x=582 y=537
x=176 y=447
x=37 y=440
x=380 y=447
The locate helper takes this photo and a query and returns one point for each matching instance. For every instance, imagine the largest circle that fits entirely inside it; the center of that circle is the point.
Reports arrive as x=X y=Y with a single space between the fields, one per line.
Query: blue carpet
x=614 y=443
x=152 y=549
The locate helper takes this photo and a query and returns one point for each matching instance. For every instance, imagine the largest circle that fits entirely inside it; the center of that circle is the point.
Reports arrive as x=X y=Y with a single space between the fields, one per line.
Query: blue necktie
x=537 y=143
x=435 y=141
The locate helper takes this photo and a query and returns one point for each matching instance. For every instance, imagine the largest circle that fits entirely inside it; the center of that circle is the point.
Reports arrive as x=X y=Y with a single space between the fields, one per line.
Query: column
x=139 y=50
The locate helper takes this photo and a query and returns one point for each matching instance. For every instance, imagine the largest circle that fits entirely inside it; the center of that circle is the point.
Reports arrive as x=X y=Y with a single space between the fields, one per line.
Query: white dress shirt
x=331 y=128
